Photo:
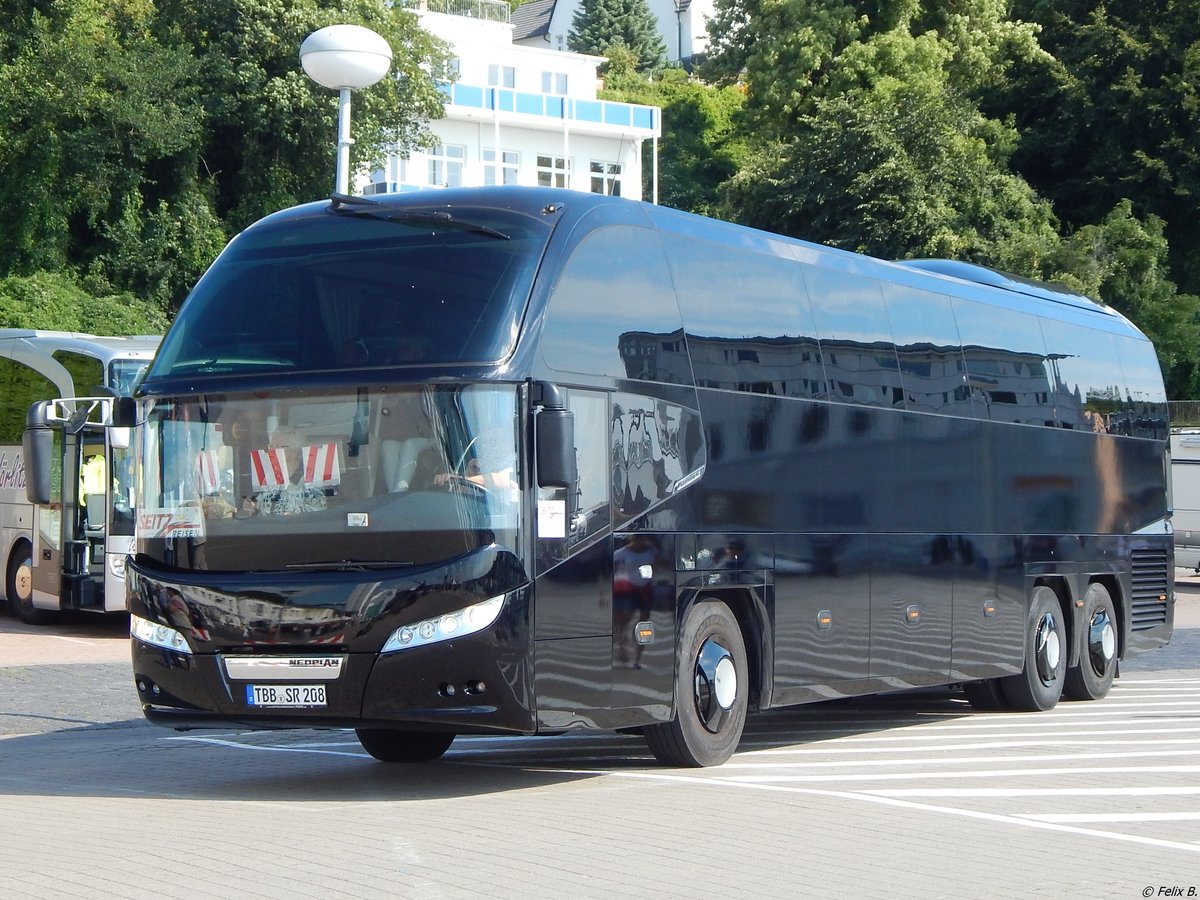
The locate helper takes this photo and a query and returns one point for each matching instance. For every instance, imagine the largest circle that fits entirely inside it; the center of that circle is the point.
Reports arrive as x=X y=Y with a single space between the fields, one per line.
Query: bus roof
x=945 y=276
x=104 y=347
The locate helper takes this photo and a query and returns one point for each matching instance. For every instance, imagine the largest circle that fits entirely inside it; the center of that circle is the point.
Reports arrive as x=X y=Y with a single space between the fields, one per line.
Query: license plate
x=285 y=695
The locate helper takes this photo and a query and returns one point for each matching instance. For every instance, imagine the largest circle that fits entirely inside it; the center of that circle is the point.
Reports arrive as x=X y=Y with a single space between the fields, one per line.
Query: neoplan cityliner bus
x=67 y=550
x=517 y=460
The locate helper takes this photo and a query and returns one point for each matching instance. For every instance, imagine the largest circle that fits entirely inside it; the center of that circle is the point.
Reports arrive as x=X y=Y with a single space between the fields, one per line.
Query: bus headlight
x=116 y=564
x=448 y=625
x=157 y=635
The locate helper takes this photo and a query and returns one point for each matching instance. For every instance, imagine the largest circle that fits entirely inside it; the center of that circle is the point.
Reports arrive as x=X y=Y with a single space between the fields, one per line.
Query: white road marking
x=1183 y=791
x=897 y=802
x=1102 y=818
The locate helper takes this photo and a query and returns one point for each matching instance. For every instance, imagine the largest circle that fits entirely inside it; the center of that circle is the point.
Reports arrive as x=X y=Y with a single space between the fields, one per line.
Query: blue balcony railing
x=488 y=10
x=599 y=112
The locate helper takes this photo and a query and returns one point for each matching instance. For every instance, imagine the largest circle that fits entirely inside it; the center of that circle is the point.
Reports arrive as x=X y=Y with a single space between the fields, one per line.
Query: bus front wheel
x=711 y=689
x=19 y=586
x=387 y=745
x=1040 y=685
x=1093 y=677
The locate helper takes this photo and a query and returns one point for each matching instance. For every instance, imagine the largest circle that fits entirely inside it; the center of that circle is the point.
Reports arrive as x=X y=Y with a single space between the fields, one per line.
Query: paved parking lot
x=914 y=796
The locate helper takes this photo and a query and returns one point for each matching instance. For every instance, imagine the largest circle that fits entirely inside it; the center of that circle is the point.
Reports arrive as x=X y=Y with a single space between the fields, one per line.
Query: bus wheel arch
x=1040 y=684
x=18 y=585
x=1097 y=645
x=712 y=687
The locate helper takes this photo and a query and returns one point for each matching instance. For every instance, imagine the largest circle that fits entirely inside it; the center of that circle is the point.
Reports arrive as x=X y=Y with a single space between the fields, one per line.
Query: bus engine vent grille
x=1149 y=588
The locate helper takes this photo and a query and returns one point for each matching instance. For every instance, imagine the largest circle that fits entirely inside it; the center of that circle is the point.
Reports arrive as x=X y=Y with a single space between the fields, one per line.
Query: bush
x=54 y=301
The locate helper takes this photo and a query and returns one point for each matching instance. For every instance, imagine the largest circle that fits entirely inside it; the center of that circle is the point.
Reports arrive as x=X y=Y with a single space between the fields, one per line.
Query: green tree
x=136 y=137
x=699 y=148
x=599 y=24
x=1122 y=260
x=54 y=301
x=1117 y=117
x=268 y=140
x=887 y=154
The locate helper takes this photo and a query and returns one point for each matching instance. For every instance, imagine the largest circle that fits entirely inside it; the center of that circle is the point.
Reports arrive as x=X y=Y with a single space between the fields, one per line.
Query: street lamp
x=345 y=58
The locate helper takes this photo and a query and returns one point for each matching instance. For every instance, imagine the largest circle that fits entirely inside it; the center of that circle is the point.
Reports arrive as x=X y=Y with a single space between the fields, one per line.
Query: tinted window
x=655 y=448
x=748 y=320
x=328 y=291
x=613 y=310
x=1144 y=412
x=1087 y=386
x=1006 y=364
x=856 y=339
x=124 y=374
x=563 y=521
x=932 y=367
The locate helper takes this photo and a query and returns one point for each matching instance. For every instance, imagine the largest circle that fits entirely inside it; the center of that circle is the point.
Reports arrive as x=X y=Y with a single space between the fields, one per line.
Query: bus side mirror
x=124 y=413
x=555 y=434
x=37 y=443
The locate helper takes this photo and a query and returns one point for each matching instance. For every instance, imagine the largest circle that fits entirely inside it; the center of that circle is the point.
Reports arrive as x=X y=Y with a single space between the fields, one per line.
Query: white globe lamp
x=345 y=58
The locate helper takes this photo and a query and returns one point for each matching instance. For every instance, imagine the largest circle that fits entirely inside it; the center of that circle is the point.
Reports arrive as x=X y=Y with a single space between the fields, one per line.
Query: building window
x=446 y=165
x=505 y=172
x=502 y=76
x=552 y=171
x=377 y=185
x=554 y=83
x=606 y=178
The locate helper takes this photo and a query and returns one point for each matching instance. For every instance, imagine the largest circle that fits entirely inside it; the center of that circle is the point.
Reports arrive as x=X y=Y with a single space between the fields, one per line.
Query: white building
x=521 y=115
x=683 y=25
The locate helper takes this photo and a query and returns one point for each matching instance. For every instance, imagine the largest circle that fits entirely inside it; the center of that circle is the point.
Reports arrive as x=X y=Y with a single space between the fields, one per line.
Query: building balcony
x=600 y=116
x=487 y=10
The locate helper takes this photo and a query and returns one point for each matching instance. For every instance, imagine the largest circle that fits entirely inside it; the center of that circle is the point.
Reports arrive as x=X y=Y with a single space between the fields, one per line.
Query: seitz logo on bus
x=170 y=523
x=12 y=471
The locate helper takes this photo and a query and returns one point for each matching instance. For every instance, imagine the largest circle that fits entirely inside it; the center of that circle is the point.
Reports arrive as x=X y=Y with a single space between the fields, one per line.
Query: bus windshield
x=124 y=374
x=367 y=477
x=322 y=291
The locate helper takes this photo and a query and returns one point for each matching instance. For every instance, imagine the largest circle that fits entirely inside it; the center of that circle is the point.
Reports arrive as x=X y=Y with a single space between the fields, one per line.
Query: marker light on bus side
x=441 y=628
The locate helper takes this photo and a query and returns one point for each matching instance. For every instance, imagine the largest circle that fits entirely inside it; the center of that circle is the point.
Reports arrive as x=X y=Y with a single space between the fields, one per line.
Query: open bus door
x=68 y=535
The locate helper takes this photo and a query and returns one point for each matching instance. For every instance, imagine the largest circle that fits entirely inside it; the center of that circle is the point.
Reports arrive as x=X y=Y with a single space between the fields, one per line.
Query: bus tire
x=18 y=585
x=1040 y=684
x=1093 y=677
x=388 y=745
x=711 y=689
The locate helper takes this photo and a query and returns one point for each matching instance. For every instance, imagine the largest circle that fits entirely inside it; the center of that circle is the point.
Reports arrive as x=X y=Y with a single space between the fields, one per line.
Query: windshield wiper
x=344 y=204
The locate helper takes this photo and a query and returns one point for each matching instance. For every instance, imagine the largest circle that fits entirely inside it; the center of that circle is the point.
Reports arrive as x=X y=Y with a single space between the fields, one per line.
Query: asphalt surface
x=891 y=796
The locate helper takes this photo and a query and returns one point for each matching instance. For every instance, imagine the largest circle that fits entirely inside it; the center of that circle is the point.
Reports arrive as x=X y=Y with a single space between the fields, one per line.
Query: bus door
x=117 y=538
x=92 y=518
x=48 y=535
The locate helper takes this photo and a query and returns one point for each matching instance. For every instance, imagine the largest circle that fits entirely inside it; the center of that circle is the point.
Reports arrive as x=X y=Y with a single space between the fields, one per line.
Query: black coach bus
x=522 y=461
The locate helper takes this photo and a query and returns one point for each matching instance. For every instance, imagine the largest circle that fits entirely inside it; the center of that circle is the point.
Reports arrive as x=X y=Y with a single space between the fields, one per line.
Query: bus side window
x=614 y=313
x=590 y=512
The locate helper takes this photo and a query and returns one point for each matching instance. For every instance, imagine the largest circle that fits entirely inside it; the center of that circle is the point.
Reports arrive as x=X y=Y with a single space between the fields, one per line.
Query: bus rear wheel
x=1092 y=678
x=711 y=689
x=19 y=586
x=388 y=745
x=1040 y=685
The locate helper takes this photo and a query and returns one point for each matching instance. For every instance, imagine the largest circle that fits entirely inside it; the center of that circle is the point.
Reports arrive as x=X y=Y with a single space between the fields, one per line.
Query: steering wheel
x=464 y=485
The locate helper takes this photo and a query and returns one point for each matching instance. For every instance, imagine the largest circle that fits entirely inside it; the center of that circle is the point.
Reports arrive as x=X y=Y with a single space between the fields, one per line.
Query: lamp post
x=345 y=58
